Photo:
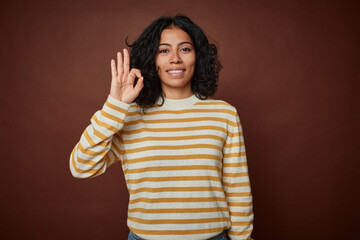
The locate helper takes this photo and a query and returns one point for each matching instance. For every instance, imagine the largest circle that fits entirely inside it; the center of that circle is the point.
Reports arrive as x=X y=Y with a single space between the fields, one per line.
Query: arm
x=98 y=148
x=236 y=183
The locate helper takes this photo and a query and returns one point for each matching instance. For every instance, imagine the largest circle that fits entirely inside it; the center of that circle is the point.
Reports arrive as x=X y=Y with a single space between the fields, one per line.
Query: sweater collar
x=179 y=103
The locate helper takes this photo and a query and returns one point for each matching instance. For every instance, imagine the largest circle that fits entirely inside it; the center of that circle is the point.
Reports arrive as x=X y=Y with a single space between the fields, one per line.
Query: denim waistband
x=221 y=236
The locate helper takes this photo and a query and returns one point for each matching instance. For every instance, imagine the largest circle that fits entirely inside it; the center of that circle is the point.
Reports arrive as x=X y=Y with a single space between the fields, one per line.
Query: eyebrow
x=167 y=44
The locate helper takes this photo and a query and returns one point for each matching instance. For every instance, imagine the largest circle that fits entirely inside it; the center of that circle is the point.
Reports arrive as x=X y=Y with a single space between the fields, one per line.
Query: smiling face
x=175 y=61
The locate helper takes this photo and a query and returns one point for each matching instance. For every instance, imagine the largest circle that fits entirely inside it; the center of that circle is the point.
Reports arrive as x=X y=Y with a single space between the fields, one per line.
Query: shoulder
x=219 y=108
x=212 y=103
x=136 y=109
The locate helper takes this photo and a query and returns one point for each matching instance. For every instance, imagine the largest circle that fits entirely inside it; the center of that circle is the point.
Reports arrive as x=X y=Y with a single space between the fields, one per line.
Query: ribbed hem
x=118 y=103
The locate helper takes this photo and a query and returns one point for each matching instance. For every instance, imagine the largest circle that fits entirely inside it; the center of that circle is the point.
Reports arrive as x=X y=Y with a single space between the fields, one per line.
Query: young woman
x=182 y=154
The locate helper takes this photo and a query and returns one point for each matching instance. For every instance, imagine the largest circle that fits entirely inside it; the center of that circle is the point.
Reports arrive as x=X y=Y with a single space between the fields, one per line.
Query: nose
x=175 y=58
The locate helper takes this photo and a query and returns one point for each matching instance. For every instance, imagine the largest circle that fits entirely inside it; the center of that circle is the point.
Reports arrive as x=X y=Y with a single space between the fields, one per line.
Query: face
x=175 y=61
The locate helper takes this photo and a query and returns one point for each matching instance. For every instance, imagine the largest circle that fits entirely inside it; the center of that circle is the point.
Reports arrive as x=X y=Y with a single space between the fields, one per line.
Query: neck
x=174 y=94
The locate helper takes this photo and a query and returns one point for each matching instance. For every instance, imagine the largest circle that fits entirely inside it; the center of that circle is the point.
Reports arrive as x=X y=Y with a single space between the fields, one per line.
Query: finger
x=134 y=73
x=120 y=68
x=126 y=61
x=113 y=69
x=139 y=85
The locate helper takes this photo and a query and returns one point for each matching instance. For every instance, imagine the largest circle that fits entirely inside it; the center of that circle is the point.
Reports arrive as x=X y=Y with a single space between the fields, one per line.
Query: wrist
x=117 y=101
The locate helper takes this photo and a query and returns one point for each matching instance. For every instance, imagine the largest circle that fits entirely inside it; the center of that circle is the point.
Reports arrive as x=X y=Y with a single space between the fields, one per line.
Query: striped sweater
x=184 y=164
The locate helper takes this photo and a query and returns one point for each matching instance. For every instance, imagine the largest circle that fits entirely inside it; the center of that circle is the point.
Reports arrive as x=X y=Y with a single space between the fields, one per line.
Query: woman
x=182 y=154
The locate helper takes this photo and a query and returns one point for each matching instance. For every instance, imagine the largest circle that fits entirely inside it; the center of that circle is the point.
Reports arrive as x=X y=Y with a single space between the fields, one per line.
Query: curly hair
x=144 y=49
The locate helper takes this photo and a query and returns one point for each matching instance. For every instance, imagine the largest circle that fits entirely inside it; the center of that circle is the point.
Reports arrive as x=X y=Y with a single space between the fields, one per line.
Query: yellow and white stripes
x=184 y=165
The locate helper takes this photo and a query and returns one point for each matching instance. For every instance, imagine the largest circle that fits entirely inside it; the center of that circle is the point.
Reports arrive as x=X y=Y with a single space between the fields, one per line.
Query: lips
x=175 y=70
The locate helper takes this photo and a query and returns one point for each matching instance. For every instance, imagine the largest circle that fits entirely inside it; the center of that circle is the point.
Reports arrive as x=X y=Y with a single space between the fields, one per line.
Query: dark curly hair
x=144 y=49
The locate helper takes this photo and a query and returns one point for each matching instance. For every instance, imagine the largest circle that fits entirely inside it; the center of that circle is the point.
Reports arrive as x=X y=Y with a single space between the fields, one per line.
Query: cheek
x=159 y=65
x=193 y=60
x=157 y=62
x=193 y=66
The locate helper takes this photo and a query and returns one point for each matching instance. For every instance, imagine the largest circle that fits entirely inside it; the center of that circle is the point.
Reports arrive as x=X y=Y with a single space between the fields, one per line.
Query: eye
x=186 y=49
x=163 y=51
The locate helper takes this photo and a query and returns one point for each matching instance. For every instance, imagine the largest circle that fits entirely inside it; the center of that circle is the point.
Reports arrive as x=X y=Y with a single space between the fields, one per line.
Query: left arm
x=236 y=183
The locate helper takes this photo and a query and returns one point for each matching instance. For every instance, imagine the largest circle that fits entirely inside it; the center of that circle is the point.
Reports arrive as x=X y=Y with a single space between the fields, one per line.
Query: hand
x=122 y=82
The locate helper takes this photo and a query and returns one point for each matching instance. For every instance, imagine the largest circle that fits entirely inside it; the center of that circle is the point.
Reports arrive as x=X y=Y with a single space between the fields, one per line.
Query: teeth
x=175 y=71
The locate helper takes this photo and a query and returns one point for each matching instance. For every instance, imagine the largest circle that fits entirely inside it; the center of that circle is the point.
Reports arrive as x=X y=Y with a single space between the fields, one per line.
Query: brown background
x=290 y=67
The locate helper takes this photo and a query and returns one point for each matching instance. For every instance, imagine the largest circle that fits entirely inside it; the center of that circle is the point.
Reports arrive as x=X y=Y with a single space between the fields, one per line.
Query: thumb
x=139 y=85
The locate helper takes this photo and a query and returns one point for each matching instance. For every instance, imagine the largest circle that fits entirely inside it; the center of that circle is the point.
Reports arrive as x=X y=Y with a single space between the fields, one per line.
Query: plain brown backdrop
x=291 y=68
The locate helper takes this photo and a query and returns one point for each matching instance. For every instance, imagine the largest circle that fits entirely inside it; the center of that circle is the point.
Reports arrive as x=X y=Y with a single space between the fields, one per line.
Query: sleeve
x=96 y=149
x=236 y=183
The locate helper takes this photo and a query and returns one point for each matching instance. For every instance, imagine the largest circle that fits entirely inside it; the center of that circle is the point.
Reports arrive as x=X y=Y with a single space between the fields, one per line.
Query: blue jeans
x=221 y=236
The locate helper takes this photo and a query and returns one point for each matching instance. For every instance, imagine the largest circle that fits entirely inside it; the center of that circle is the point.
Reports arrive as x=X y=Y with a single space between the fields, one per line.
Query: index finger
x=126 y=61
x=135 y=73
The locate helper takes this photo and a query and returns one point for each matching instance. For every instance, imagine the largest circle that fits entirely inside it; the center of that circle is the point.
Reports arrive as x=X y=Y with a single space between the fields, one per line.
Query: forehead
x=174 y=35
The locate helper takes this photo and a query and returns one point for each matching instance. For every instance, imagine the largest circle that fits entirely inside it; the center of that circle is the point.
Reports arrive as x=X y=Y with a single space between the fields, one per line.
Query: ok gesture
x=122 y=82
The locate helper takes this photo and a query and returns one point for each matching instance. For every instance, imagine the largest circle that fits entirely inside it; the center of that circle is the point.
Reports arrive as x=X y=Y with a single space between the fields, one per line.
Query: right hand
x=122 y=82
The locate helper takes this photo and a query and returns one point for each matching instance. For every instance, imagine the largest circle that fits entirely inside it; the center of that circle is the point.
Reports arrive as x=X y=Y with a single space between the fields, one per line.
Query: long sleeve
x=96 y=149
x=236 y=183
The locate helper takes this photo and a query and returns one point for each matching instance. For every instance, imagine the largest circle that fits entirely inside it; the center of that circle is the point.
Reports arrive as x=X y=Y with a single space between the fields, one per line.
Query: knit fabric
x=184 y=164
